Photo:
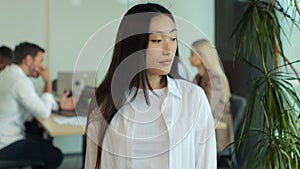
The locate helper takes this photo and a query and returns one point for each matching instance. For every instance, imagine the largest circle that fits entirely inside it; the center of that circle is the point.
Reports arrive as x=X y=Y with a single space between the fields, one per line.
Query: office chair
x=238 y=105
x=54 y=85
x=8 y=164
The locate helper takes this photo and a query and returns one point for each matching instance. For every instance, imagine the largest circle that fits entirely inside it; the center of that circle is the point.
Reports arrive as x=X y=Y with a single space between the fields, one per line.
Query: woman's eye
x=156 y=40
x=174 y=39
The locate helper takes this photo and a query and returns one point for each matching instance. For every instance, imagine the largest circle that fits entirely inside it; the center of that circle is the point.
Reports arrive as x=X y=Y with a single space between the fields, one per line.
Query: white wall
x=291 y=41
x=71 y=24
x=201 y=14
x=63 y=26
x=23 y=20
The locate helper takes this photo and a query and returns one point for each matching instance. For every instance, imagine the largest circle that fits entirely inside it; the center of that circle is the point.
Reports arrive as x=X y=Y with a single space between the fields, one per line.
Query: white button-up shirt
x=190 y=128
x=19 y=100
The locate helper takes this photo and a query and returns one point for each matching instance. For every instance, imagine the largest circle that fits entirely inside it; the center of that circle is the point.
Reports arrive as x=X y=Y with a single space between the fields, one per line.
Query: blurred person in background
x=21 y=140
x=5 y=57
x=214 y=82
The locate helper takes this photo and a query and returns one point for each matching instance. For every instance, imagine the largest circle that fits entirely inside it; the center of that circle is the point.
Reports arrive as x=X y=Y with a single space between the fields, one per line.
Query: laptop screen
x=74 y=82
x=86 y=96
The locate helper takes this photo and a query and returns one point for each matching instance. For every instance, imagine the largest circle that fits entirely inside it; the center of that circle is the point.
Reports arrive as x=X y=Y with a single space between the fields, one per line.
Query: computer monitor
x=86 y=97
x=74 y=82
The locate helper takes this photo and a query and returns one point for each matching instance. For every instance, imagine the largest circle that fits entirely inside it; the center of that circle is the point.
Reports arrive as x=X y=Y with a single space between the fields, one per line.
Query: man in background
x=5 y=57
x=19 y=101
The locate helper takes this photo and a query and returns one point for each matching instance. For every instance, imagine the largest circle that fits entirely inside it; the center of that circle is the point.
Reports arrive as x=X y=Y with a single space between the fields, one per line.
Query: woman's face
x=195 y=58
x=162 y=45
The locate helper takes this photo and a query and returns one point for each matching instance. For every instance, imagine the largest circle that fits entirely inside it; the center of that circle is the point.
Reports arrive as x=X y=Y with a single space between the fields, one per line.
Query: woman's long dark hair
x=132 y=38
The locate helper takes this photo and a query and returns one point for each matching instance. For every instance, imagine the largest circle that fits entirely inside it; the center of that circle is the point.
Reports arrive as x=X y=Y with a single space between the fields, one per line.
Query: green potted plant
x=272 y=113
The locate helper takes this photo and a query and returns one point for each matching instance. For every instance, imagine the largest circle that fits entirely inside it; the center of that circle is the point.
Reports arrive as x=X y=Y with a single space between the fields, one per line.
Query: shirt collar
x=173 y=87
x=18 y=69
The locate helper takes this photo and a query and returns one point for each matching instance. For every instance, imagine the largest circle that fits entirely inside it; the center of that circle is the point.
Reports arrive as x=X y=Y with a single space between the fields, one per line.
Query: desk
x=55 y=129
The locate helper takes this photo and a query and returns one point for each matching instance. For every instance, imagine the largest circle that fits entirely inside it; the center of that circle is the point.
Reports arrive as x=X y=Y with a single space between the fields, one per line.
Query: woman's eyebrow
x=161 y=32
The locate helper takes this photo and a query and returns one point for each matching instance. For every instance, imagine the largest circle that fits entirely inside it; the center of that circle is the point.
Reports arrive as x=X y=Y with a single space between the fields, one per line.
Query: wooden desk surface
x=55 y=129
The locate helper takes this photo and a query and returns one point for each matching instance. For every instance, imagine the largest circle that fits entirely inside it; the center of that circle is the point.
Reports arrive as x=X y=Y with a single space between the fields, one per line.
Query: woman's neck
x=201 y=70
x=156 y=81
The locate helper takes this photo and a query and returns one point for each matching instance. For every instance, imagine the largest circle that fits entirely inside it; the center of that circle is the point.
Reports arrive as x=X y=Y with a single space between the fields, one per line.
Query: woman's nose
x=167 y=48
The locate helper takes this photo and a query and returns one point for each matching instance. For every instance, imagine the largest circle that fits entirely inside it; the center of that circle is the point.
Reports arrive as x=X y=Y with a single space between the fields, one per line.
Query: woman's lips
x=166 y=62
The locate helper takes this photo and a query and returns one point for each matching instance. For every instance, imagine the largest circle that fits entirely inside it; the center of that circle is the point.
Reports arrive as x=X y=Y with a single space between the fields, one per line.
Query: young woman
x=142 y=116
x=213 y=80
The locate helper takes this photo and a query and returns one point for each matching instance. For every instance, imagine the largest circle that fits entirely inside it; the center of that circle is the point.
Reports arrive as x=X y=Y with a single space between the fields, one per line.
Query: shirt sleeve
x=95 y=131
x=91 y=145
x=205 y=140
x=39 y=107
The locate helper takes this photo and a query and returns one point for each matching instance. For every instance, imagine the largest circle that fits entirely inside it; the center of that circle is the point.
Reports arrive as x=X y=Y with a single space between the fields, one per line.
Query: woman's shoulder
x=189 y=88
x=214 y=75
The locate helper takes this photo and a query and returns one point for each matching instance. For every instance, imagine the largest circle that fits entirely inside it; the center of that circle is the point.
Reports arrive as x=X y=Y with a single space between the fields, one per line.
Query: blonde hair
x=210 y=58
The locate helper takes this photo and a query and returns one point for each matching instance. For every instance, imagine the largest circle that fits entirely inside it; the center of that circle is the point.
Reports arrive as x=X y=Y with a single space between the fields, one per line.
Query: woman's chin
x=159 y=72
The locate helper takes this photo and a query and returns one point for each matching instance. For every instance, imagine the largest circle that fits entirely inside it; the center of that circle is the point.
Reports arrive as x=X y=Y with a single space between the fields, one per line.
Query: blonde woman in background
x=213 y=80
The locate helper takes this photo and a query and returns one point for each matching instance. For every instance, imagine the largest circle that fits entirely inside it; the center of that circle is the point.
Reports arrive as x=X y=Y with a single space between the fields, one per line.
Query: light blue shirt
x=190 y=127
x=18 y=101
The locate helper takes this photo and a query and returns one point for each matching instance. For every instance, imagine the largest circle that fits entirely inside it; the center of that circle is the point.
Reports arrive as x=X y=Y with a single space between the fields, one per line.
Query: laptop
x=74 y=81
x=82 y=105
